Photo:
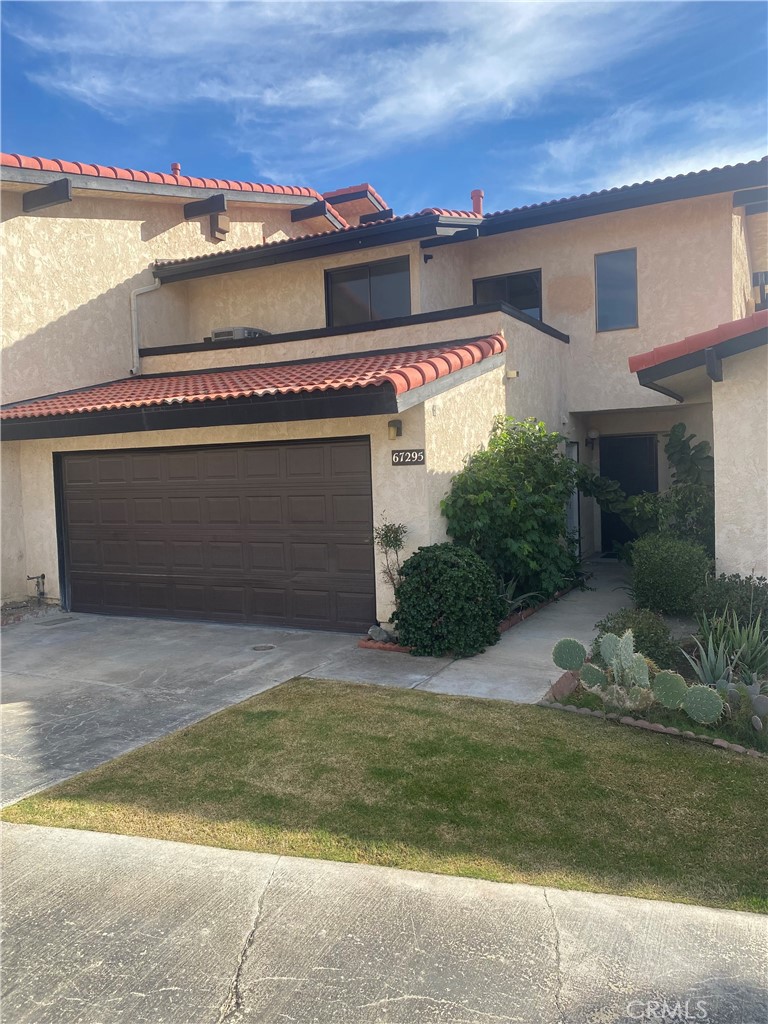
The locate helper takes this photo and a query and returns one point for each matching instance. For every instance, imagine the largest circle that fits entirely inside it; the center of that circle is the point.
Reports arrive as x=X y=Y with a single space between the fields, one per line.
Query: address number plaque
x=408 y=457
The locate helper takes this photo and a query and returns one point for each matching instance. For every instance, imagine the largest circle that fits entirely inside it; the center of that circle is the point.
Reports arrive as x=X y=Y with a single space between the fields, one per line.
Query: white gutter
x=136 y=367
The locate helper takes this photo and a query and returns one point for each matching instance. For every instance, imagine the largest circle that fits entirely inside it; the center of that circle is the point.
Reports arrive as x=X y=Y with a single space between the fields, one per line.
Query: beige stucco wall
x=286 y=297
x=67 y=276
x=13 y=576
x=685 y=255
x=740 y=419
x=442 y=331
x=408 y=494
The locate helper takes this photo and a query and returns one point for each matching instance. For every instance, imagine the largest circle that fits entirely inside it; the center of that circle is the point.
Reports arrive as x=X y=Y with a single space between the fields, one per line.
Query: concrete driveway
x=103 y=929
x=81 y=689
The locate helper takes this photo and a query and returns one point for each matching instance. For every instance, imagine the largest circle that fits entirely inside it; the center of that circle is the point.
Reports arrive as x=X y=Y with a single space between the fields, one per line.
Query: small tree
x=508 y=505
x=390 y=540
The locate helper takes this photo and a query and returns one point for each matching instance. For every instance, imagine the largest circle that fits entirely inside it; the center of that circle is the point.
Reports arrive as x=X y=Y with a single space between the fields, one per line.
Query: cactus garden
x=720 y=698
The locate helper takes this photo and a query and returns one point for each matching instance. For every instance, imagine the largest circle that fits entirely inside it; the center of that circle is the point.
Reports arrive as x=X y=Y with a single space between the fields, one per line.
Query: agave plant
x=714 y=666
x=743 y=642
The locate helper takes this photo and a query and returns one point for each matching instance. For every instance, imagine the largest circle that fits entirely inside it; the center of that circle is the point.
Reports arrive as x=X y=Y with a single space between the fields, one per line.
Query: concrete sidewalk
x=103 y=929
x=518 y=668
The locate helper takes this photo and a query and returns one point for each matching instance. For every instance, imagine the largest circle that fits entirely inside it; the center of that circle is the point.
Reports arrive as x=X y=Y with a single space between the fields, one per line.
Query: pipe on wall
x=136 y=364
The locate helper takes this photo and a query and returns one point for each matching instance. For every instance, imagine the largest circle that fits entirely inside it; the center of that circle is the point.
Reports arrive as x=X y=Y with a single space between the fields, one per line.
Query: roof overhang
x=688 y=374
x=21 y=178
x=386 y=232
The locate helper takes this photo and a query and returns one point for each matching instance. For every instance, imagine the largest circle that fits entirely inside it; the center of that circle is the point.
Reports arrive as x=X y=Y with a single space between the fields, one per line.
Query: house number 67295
x=408 y=457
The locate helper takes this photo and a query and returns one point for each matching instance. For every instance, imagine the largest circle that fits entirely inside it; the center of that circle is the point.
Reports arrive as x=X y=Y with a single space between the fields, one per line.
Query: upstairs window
x=523 y=291
x=373 y=291
x=616 y=289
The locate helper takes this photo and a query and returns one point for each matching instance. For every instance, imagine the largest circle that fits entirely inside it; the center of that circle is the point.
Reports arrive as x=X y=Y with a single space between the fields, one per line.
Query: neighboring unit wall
x=740 y=417
x=68 y=274
x=685 y=285
x=14 y=583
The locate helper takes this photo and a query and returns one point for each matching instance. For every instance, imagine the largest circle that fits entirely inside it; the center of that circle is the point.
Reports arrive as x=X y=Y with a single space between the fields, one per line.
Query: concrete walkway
x=103 y=929
x=518 y=668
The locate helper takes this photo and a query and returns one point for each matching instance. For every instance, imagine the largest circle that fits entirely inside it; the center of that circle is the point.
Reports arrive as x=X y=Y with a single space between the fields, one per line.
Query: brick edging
x=641 y=723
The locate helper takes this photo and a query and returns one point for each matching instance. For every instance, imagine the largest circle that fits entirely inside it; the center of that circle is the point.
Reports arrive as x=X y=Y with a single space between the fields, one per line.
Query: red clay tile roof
x=698 y=342
x=627 y=188
x=401 y=370
x=40 y=163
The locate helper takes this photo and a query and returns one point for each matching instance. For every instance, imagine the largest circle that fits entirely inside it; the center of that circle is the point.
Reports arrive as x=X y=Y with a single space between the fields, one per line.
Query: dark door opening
x=632 y=460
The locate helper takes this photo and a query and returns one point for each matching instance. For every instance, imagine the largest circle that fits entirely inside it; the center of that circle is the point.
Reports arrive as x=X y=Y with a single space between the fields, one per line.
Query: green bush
x=508 y=505
x=447 y=602
x=745 y=596
x=652 y=635
x=667 y=573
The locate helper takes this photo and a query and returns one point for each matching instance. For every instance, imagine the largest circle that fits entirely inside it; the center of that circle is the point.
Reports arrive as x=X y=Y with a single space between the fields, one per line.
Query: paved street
x=104 y=929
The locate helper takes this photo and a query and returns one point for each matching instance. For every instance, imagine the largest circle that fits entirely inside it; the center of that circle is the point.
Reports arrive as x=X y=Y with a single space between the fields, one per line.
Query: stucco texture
x=740 y=419
x=68 y=274
x=685 y=257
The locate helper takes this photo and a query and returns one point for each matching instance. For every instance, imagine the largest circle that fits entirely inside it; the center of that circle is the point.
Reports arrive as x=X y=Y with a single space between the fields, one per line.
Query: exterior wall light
x=592 y=436
x=394 y=429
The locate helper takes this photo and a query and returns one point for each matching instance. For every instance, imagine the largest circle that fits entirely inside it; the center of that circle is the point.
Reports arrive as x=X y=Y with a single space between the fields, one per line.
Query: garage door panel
x=280 y=534
x=306 y=508
x=265 y=555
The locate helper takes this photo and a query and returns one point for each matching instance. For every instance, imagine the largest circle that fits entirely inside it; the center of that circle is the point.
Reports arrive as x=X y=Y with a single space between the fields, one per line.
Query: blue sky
x=530 y=101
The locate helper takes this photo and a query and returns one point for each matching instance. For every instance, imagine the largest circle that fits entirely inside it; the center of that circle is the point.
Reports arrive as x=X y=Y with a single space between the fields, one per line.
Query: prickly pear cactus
x=703 y=704
x=593 y=677
x=757 y=723
x=609 y=648
x=669 y=689
x=569 y=655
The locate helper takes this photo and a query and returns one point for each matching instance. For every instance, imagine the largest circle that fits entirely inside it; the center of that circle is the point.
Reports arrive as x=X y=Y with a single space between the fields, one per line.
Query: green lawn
x=415 y=780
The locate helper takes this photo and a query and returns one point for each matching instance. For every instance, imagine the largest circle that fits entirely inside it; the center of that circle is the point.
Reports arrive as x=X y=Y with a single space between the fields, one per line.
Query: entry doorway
x=632 y=460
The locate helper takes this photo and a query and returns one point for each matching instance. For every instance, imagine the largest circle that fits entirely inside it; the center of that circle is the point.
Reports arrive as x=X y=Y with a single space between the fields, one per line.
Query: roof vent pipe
x=477 y=201
x=176 y=170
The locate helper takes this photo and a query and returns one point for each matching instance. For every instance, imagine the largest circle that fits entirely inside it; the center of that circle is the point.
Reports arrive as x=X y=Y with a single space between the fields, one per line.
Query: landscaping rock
x=627 y=720
x=584 y=711
x=672 y=731
x=377 y=633
x=690 y=735
x=612 y=716
x=721 y=743
x=738 y=748
x=570 y=707
x=657 y=727
x=753 y=753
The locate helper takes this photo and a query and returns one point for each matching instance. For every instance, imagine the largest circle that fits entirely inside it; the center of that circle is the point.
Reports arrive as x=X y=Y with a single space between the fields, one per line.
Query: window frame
x=512 y=273
x=627 y=327
x=406 y=259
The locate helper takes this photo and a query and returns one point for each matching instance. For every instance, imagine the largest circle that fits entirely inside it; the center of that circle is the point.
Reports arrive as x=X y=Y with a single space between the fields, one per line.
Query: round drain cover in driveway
x=264 y=647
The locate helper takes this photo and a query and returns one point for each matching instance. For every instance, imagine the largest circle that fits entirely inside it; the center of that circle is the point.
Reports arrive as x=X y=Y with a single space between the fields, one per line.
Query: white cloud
x=638 y=142
x=305 y=87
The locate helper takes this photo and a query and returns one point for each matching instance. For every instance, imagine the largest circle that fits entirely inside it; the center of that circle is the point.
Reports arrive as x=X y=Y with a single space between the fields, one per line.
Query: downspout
x=136 y=366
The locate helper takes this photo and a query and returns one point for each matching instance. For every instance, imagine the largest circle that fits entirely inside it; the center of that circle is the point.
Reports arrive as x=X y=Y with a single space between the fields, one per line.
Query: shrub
x=667 y=573
x=508 y=505
x=745 y=596
x=652 y=635
x=447 y=602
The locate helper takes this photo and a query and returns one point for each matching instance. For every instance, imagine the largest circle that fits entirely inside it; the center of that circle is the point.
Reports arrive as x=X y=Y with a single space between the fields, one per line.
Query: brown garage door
x=279 y=534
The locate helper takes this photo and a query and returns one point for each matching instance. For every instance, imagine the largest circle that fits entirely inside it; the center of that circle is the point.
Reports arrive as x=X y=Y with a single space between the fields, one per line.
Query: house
x=214 y=389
